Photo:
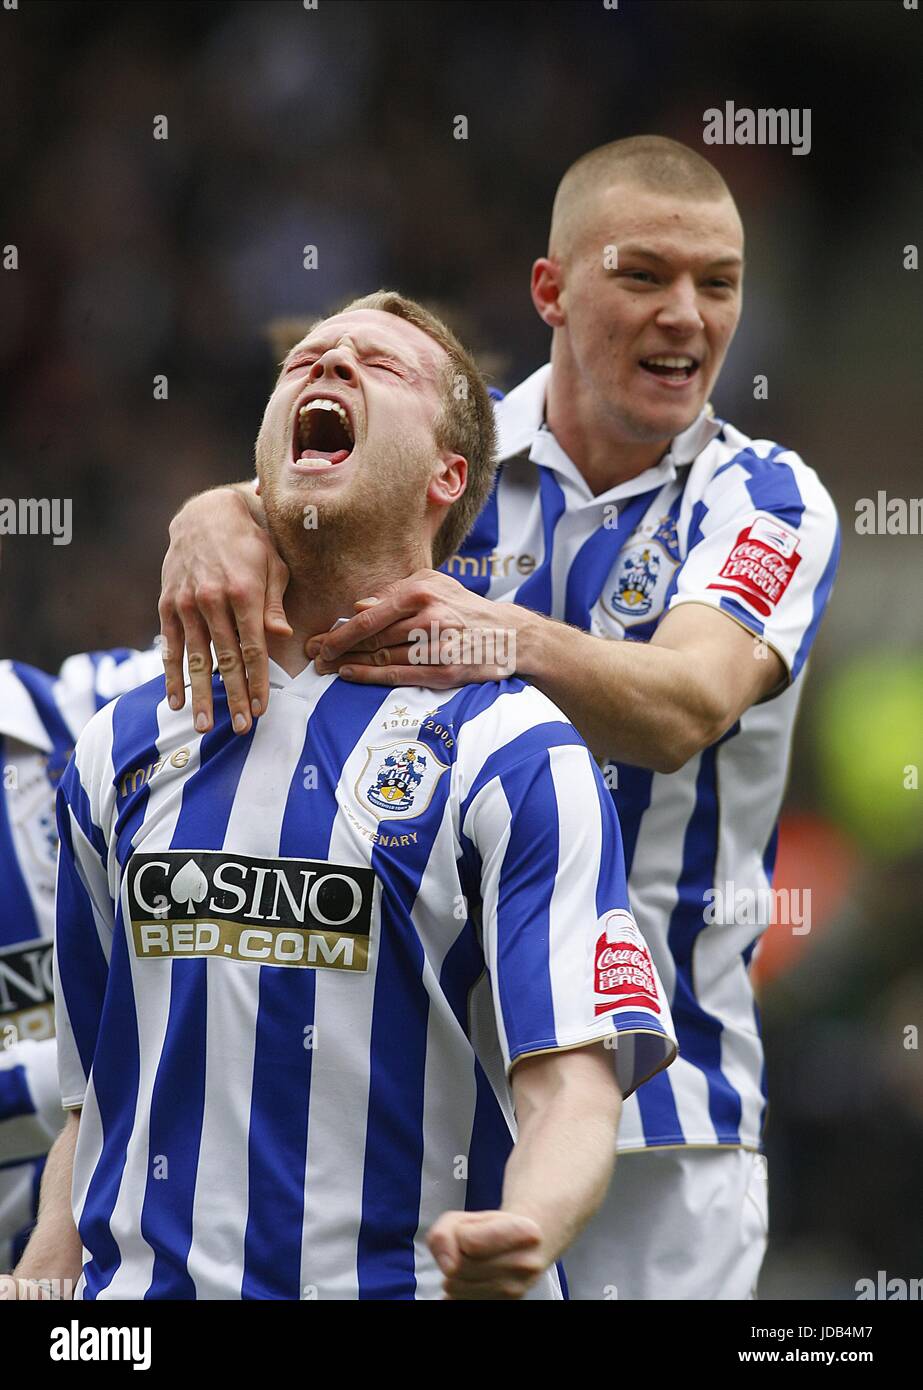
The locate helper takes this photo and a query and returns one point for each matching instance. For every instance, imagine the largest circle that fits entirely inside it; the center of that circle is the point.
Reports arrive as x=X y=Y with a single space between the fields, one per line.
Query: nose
x=680 y=312
x=334 y=363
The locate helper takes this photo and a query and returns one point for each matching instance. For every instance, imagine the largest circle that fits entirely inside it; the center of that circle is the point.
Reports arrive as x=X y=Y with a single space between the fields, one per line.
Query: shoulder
x=107 y=674
x=498 y=724
x=123 y=729
x=735 y=472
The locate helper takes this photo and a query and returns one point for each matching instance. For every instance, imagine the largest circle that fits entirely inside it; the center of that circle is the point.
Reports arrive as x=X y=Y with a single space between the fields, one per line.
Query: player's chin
x=663 y=419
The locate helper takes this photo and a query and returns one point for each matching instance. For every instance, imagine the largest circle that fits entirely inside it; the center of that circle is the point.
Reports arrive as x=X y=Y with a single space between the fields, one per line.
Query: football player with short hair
x=346 y=1006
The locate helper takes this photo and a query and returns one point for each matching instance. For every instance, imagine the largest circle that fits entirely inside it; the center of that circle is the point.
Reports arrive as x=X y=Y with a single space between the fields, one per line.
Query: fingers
x=274 y=619
x=172 y=646
x=487 y=1255
x=392 y=636
x=373 y=619
x=380 y=656
x=427 y=677
x=497 y=1237
x=247 y=681
x=443 y=1242
x=199 y=662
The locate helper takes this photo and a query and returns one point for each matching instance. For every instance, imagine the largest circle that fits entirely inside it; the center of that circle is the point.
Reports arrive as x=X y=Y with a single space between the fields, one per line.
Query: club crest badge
x=637 y=587
x=398 y=779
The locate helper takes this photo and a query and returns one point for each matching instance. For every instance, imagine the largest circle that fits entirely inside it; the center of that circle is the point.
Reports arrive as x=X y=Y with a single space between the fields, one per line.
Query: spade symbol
x=190 y=885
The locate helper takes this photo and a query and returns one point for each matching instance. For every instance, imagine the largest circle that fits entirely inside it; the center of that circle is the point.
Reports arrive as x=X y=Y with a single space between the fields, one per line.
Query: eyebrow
x=647 y=254
x=365 y=350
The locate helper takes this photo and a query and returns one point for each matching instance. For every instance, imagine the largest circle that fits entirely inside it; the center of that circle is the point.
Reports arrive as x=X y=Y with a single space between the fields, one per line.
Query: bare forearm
x=634 y=702
x=561 y=1166
x=55 y=1250
x=244 y=491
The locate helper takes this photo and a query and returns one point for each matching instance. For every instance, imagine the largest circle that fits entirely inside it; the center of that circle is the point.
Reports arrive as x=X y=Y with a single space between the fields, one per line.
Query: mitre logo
x=294 y=912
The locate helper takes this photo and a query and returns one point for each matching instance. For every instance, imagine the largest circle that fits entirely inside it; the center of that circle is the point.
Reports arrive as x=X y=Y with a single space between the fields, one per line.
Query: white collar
x=279 y=678
x=521 y=428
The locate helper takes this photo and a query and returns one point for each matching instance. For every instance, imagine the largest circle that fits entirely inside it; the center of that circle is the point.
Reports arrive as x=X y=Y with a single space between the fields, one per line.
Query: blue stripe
x=632 y=797
x=611 y=885
x=178 y=1096
x=82 y=967
x=657 y=1107
x=536 y=592
x=134 y=745
x=537 y=740
x=15 y=1096
x=770 y=483
x=743 y=615
x=116 y=1066
x=480 y=542
x=696 y=520
x=116 y=1070
x=278 y=1137
x=79 y=804
x=594 y=560
x=491 y=1140
x=699 y=1033
x=18 y=921
x=490 y=1148
x=821 y=595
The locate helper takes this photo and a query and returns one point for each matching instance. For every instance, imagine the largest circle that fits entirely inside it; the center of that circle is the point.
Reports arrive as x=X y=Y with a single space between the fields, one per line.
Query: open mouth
x=323 y=433
x=678 y=368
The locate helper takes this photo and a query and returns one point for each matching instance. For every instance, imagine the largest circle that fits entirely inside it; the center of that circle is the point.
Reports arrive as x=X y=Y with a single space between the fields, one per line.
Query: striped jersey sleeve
x=567 y=963
x=30 y=1107
x=763 y=547
x=85 y=906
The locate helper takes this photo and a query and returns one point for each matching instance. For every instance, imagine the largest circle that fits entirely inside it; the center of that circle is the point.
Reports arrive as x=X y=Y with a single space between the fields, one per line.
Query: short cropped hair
x=652 y=162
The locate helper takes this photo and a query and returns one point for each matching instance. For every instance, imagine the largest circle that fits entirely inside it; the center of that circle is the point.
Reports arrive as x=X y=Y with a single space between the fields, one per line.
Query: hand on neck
x=324 y=588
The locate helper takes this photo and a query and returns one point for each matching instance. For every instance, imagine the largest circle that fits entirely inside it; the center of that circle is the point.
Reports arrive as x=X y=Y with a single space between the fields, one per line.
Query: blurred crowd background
x=333 y=127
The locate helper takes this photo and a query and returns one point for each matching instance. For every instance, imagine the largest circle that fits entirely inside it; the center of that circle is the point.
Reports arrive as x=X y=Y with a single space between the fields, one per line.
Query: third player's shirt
x=41 y=716
x=295 y=967
x=745 y=527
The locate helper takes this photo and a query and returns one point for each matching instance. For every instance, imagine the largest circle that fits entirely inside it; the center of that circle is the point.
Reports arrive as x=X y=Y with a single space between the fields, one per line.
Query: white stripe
x=337 y=1123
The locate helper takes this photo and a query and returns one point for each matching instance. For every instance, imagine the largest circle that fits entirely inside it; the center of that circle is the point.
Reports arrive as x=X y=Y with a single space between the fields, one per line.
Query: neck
x=591 y=436
x=323 y=587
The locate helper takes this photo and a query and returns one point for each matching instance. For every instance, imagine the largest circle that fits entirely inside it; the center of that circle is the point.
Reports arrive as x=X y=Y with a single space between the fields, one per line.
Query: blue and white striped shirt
x=41 y=717
x=294 y=969
x=746 y=527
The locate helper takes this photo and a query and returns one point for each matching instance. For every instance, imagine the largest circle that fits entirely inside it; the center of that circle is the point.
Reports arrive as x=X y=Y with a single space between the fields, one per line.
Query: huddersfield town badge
x=398 y=779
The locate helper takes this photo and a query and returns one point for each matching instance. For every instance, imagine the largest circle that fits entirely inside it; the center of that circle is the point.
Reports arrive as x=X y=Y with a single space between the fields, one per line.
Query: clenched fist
x=487 y=1254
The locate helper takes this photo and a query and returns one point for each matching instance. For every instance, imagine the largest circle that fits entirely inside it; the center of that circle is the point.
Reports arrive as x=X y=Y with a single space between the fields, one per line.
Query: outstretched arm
x=567 y=1111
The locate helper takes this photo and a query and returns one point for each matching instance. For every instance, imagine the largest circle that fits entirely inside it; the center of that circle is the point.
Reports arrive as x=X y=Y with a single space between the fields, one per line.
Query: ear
x=547 y=287
x=449 y=480
x=256 y=486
